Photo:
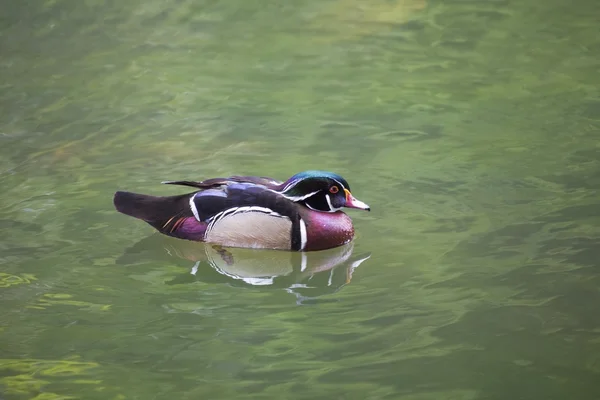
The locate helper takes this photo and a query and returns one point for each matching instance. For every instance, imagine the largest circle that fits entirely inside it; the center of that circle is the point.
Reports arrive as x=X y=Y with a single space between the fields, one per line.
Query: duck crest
x=302 y=213
x=310 y=178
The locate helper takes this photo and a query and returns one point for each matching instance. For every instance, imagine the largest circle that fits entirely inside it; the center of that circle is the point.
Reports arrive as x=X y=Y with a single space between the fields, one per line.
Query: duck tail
x=156 y=211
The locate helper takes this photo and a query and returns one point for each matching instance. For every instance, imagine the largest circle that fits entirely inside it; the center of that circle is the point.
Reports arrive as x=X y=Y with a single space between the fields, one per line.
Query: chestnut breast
x=326 y=230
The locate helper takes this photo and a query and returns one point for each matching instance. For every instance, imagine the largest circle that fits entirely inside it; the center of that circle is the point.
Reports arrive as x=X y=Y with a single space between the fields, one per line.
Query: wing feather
x=219 y=182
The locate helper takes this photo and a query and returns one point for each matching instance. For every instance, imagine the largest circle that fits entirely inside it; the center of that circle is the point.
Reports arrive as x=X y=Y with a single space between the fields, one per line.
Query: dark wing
x=258 y=180
x=206 y=184
x=211 y=202
x=214 y=183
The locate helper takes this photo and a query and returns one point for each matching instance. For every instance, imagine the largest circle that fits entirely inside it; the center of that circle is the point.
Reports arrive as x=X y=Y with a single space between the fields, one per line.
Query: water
x=470 y=127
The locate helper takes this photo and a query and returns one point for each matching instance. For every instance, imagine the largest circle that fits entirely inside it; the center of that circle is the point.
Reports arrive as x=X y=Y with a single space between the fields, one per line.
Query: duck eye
x=334 y=189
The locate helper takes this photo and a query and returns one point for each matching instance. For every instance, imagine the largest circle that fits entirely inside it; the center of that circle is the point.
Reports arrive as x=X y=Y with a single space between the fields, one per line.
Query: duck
x=303 y=213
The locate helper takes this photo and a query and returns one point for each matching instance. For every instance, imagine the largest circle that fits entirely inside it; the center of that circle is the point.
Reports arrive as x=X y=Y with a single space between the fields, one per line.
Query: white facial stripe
x=303 y=236
x=194 y=209
x=299 y=198
x=340 y=183
x=290 y=185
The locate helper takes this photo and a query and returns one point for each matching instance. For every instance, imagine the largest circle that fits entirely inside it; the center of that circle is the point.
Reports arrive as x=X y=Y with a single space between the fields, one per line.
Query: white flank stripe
x=194 y=209
x=303 y=236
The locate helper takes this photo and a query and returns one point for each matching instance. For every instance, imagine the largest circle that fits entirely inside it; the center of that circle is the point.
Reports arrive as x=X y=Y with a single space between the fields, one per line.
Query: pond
x=471 y=128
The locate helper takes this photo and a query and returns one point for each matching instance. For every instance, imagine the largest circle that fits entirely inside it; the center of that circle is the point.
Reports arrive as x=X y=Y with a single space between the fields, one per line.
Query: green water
x=472 y=128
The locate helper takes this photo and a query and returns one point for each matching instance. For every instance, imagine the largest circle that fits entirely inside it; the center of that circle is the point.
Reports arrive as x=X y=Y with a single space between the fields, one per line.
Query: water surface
x=471 y=128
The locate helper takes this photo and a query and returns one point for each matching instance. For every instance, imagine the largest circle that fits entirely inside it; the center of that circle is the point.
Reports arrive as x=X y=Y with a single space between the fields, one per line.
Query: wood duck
x=300 y=214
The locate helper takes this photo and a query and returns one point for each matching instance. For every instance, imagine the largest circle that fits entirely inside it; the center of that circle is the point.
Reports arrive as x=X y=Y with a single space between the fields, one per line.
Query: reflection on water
x=307 y=275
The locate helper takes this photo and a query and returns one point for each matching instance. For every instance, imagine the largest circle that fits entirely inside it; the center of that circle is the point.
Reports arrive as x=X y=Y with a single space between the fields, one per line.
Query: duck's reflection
x=306 y=275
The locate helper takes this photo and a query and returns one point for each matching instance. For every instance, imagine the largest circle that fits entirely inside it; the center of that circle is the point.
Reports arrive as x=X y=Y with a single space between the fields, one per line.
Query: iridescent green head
x=320 y=191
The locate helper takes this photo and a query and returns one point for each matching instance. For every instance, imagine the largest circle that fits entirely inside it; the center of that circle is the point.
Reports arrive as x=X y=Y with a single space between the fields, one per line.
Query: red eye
x=334 y=189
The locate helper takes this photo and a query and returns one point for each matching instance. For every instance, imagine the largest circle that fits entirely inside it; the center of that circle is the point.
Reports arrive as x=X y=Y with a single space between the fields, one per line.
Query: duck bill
x=353 y=202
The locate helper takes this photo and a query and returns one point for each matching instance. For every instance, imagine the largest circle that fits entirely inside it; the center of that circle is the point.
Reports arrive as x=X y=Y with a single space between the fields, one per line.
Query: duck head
x=320 y=191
